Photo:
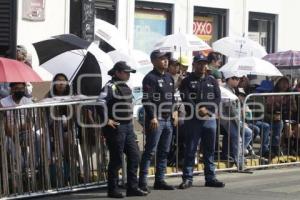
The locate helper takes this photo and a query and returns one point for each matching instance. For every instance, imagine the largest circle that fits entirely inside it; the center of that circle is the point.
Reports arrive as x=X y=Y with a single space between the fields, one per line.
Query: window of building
x=106 y=10
x=262 y=29
x=152 y=22
x=209 y=23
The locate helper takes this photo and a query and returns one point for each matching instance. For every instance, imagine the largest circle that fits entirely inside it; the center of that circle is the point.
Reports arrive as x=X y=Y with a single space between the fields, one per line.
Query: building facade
x=270 y=22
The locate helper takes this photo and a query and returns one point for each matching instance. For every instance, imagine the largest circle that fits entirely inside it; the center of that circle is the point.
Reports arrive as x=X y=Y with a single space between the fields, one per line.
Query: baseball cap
x=158 y=54
x=121 y=66
x=200 y=58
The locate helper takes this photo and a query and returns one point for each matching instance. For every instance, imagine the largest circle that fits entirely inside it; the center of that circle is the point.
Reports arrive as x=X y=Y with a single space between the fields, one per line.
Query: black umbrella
x=78 y=62
x=48 y=49
x=89 y=85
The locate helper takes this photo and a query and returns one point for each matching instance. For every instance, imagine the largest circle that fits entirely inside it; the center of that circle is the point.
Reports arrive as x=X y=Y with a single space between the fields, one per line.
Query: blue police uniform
x=158 y=100
x=122 y=139
x=200 y=91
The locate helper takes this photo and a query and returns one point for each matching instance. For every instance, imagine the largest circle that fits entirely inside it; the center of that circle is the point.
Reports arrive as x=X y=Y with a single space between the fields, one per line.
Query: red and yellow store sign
x=203 y=28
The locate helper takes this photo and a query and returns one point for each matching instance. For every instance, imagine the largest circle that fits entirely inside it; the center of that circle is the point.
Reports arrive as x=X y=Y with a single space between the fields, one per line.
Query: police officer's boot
x=132 y=192
x=114 y=194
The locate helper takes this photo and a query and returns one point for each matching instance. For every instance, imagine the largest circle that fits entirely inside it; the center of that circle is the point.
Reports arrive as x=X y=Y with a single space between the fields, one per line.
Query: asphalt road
x=272 y=184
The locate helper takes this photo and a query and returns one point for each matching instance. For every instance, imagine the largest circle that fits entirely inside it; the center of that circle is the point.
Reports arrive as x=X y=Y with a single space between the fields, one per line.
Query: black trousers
x=122 y=140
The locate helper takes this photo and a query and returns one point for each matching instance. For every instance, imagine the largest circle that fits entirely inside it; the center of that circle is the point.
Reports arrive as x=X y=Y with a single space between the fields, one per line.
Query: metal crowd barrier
x=276 y=110
x=45 y=150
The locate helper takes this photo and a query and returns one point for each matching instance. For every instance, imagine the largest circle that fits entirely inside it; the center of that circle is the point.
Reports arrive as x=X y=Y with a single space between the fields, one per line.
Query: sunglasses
x=235 y=78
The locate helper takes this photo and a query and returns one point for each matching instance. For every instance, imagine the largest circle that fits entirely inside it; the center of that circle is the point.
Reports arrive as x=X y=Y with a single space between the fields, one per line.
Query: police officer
x=158 y=99
x=201 y=96
x=119 y=133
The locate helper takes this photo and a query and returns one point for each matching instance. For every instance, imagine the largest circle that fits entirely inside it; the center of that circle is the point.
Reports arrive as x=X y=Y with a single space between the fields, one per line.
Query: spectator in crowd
x=295 y=143
x=245 y=84
x=196 y=89
x=60 y=86
x=279 y=110
x=214 y=63
x=58 y=120
x=119 y=132
x=231 y=123
x=16 y=98
x=17 y=123
x=174 y=70
x=258 y=127
x=158 y=101
x=184 y=65
x=22 y=55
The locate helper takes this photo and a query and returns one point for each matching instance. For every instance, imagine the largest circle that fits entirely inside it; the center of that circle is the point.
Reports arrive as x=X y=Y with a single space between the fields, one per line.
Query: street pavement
x=271 y=184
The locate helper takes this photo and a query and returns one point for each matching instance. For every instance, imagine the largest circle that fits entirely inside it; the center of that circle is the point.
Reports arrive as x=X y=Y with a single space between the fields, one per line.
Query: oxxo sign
x=202 y=28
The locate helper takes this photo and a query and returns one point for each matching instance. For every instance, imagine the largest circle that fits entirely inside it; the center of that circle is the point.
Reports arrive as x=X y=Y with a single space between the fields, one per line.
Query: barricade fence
x=274 y=123
x=45 y=148
x=58 y=146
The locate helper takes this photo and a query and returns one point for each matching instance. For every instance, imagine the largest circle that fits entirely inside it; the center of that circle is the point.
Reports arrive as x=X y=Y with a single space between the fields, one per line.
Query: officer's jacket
x=199 y=92
x=158 y=89
x=118 y=100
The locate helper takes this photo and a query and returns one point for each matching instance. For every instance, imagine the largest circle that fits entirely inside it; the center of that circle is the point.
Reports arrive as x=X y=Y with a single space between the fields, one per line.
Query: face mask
x=19 y=94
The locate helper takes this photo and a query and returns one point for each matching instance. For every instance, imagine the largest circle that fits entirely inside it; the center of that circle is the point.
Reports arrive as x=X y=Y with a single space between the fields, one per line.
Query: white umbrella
x=136 y=58
x=110 y=34
x=239 y=47
x=250 y=65
x=135 y=80
x=227 y=95
x=181 y=42
x=104 y=60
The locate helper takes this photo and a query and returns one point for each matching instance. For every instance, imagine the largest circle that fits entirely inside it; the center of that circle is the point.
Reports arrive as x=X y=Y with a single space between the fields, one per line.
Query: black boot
x=115 y=194
x=133 y=192
x=162 y=185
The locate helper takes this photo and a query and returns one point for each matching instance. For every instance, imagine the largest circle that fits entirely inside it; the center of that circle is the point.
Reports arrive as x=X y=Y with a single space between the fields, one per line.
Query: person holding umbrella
x=199 y=91
x=119 y=131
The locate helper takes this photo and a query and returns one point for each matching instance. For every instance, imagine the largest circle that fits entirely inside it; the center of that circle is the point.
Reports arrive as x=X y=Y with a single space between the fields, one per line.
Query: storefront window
x=262 y=30
x=151 y=23
x=209 y=24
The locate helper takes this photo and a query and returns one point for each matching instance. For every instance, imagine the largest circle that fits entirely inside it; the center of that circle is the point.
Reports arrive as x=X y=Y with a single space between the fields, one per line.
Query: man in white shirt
x=17 y=119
